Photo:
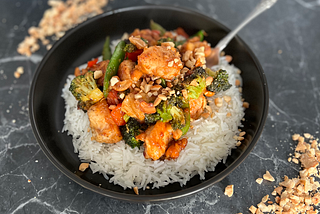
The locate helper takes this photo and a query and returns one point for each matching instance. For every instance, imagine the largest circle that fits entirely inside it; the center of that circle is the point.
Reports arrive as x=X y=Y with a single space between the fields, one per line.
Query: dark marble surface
x=286 y=40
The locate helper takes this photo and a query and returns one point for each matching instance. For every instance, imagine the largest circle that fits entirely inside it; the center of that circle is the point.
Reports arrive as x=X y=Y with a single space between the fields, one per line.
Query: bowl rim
x=163 y=196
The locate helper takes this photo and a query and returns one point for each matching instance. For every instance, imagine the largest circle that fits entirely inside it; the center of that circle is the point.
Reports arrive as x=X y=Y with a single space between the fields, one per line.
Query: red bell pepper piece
x=133 y=56
x=92 y=62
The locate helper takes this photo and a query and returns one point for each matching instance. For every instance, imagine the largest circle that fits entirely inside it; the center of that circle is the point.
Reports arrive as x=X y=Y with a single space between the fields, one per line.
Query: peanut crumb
x=229 y=190
x=300 y=194
x=136 y=190
x=268 y=177
x=242 y=134
x=245 y=104
x=265 y=198
x=237 y=82
x=307 y=135
x=218 y=102
x=253 y=209
x=295 y=137
x=62 y=16
x=83 y=166
x=295 y=160
x=16 y=75
x=259 y=180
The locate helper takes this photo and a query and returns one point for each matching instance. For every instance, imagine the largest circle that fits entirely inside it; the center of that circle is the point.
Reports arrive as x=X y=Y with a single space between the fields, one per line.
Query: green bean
x=106 y=52
x=156 y=26
x=112 y=69
x=200 y=34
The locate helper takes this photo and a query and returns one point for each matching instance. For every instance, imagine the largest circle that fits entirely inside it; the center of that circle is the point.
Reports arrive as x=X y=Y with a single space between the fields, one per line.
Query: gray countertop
x=285 y=39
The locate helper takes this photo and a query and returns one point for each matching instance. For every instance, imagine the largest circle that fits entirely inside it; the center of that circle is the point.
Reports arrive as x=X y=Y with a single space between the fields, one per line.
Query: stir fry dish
x=149 y=90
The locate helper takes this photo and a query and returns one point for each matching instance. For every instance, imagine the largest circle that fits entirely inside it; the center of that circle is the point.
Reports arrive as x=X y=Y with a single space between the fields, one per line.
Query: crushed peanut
x=62 y=16
x=136 y=190
x=162 y=97
x=114 y=80
x=218 y=101
x=253 y=209
x=301 y=194
x=229 y=190
x=16 y=75
x=227 y=98
x=19 y=71
x=237 y=82
x=83 y=166
x=245 y=104
x=268 y=176
x=97 y=74
x=157 y=101
x=259 y=180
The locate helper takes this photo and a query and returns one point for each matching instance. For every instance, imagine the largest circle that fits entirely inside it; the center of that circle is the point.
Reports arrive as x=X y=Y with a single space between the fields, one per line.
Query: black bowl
x=85 y=42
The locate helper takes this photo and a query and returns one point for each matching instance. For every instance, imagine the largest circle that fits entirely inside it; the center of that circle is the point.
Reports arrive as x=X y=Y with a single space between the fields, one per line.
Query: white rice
x=209 y=141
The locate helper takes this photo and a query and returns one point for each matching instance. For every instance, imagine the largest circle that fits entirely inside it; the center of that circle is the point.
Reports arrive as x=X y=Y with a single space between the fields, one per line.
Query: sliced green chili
x=112 y=69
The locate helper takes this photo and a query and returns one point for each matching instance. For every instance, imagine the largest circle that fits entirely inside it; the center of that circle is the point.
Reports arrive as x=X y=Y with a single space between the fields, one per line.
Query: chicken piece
x=136 y=75
x=150 y=35
x=131 y=107
x=160 y=61
x=197 y=106
x=125 y=69
x=156 y=139
x=175 y=148
x=104 y=129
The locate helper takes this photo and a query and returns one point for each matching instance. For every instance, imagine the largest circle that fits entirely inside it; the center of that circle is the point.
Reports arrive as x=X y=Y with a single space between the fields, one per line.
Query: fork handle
x=261 y=7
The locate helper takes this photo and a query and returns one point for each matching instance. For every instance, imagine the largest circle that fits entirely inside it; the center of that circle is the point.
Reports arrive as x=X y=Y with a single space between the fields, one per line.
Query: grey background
x=292 y=26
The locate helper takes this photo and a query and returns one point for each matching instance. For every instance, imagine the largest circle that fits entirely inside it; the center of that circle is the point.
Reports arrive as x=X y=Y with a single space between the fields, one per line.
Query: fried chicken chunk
x=197 y=106
x=131 y=107
x=175 y=147
x=156 y=140
x=160 y=61
x=125 y=69
x=104 y=129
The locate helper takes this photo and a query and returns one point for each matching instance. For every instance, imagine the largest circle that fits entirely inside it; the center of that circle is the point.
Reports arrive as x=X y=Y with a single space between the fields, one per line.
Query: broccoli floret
x=220 y=83
x=167 y=110
x=194 y=91
x=130 y=131
x=178 y=100
x=85 y=90
x=178 y=119
x=152 y=118
x=195 y=83
x=163 y=109
x=130 y=48
x=198 y=71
